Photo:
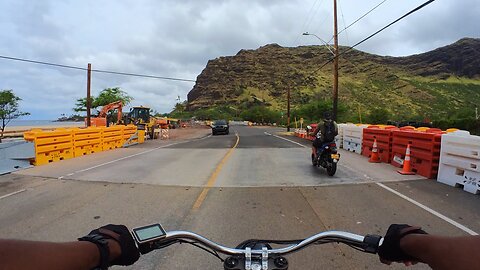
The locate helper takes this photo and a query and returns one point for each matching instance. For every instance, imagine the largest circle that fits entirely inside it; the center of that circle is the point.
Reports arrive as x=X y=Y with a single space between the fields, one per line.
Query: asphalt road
x=253 y=183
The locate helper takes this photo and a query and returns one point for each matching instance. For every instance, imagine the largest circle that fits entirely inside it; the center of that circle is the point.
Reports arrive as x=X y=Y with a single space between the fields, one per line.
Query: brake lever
x=149 y=247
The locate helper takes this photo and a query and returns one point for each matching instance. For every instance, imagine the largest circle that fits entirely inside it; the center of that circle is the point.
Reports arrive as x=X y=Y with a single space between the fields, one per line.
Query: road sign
x=301 y=120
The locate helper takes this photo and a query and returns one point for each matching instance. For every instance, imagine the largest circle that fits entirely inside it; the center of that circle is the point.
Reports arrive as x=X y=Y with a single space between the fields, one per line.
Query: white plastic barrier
x=339 y=137
x=460 y=161
x=352 y=138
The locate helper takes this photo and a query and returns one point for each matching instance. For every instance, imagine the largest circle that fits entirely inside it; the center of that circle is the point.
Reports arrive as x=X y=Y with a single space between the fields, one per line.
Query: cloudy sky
x=176 y=38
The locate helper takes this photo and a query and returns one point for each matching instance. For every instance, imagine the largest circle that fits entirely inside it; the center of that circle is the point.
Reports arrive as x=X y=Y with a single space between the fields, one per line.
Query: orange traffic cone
x=407 y=169
x=374 y=158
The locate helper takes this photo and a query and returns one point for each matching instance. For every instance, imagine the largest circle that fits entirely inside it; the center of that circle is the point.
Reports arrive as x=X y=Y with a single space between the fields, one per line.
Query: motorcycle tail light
x=333 y=145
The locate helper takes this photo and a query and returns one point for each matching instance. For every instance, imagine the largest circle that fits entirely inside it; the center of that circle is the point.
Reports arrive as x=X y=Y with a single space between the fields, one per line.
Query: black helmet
x=327 y=115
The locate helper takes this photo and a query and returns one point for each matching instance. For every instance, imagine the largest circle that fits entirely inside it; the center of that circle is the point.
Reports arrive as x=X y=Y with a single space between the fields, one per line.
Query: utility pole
x=89 y=102
x=335 y=61
x=359 y=113
x=288 y=109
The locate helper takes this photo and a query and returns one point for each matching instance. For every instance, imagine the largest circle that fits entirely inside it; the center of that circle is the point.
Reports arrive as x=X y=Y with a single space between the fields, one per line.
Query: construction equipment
x=102 y=119
x=163 y=122
x=167 y=122
x=140 y=116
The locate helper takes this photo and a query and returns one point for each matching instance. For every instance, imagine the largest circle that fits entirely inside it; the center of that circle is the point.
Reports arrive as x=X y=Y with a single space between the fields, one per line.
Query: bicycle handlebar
x=368 y=243
x=250 y=254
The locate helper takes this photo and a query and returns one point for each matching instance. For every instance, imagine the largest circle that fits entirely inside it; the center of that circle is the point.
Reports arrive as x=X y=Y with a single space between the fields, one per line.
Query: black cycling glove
x=129 y=250
x=390 y=249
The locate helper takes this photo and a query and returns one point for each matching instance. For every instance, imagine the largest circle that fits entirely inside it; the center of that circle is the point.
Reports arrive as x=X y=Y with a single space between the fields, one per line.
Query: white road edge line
x=13 y=193
x=134 y=155
x=288 y=140
x=119 y=159
x=431 y=211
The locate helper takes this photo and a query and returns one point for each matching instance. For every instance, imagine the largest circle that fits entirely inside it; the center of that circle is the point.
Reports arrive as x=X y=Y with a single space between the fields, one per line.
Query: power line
x=374 y=34
x=313 y=15
x=141 y=75
x=94 y=70
x=41 y=63
x=343 y=19
x=308 y=19
x=361 y=17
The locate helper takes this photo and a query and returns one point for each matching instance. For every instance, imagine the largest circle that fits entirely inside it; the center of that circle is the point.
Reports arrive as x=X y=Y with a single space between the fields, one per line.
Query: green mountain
x=433 y=85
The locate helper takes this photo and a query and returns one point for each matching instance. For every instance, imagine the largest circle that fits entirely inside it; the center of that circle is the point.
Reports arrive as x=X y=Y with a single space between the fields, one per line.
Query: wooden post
x=288 y=109
x=89 y=102
x=335 y=61
x=359 y=114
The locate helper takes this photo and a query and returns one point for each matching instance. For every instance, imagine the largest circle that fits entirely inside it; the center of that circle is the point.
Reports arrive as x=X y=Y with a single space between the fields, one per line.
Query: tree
x=106 y=96
x=180 y=111
x=260 y=114
x=8 y=109
x=378 y=116
x=180 y=107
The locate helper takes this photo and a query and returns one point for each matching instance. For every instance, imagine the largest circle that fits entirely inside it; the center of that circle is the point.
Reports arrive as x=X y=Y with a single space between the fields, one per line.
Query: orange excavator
x=101 y=119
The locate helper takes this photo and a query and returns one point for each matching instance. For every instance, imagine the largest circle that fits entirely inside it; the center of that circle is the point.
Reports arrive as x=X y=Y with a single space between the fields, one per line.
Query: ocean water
x=39 y=123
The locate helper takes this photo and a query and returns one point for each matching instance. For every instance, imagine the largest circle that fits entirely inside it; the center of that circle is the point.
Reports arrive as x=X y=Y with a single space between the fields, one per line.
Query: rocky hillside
x=461 y=58
x=433 y=83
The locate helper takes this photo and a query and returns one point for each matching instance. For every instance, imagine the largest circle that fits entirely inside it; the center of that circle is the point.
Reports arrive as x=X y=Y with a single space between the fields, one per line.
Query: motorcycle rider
x=325 y=132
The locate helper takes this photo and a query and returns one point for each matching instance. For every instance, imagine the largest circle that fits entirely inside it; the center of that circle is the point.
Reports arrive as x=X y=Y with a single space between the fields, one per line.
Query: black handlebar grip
x=372 y=242
x=146 y=248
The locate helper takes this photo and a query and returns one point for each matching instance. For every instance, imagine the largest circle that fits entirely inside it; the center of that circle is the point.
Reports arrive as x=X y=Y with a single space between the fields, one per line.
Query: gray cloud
x=177 y=38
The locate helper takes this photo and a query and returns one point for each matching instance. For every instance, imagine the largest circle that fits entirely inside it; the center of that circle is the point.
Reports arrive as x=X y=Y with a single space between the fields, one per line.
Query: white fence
x=460 y=161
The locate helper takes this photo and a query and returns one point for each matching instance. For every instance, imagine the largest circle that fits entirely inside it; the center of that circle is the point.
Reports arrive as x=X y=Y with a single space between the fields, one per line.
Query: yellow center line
x=214 y=176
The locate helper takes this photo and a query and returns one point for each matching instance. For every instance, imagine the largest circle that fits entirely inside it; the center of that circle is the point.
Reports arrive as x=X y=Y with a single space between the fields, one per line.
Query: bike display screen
x=149 y=232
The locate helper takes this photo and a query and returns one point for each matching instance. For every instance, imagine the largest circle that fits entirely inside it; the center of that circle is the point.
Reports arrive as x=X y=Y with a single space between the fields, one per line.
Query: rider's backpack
x=329 y=135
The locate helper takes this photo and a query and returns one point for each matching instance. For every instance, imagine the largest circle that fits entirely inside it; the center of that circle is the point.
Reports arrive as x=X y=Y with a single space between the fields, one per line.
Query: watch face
x=146 y=233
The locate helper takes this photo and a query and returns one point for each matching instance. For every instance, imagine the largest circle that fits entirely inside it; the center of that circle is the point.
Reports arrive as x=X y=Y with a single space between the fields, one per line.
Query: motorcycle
x=254 y=254
x=327 y=157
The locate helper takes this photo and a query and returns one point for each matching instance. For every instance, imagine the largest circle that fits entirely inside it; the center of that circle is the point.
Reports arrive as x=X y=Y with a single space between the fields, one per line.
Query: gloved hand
x=390 y=249
x=119 y=233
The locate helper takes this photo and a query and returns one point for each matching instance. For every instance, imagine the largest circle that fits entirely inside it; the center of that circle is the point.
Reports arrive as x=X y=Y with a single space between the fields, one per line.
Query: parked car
x=220 y=126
